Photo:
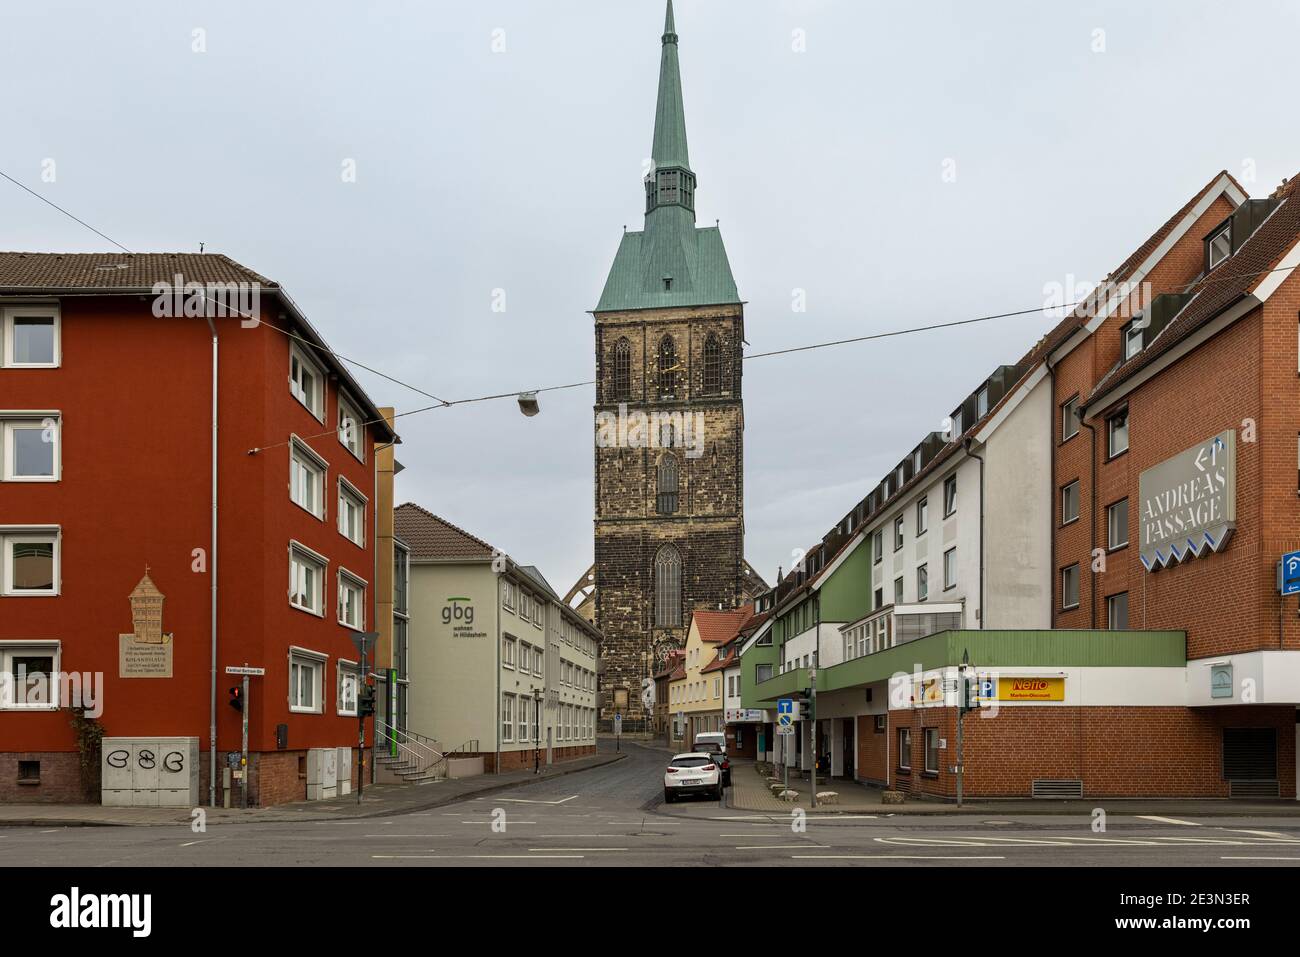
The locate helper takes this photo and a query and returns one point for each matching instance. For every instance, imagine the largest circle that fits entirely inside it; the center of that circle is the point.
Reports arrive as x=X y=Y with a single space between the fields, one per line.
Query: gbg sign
x=1189 y=503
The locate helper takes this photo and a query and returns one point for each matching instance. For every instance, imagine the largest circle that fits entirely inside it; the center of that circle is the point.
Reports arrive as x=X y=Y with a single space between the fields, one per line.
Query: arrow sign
x=1289 y=574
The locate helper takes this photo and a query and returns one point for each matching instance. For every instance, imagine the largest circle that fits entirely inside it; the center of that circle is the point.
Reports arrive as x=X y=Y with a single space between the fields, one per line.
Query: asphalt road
x=614 y=815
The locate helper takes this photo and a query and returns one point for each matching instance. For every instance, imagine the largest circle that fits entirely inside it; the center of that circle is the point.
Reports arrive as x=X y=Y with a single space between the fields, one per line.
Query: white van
x=711 y=741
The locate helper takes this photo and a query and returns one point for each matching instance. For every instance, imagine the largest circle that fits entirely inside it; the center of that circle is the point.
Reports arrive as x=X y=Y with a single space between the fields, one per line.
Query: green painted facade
x=844 y=596
x=994 y=649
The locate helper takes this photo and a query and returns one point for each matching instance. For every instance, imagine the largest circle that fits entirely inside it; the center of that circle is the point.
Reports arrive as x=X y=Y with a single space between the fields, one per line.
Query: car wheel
x=668 y=796
x=717 y=795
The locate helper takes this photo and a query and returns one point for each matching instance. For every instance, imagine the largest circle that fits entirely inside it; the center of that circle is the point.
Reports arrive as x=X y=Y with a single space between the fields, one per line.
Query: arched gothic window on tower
x=668 y=368
x=621 y=378
x=666 y=502
x=668 y=587
x=712 y=365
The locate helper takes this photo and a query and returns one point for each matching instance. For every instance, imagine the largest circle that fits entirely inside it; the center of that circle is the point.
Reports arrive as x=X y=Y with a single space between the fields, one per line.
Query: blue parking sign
x=1288 y=574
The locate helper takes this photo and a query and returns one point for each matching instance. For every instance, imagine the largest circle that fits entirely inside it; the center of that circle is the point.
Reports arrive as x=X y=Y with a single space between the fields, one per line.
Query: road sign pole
x=812 y=676
x=244 y=749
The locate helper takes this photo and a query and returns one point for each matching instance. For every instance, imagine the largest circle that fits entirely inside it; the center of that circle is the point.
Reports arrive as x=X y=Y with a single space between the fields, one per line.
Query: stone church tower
x=669 y=423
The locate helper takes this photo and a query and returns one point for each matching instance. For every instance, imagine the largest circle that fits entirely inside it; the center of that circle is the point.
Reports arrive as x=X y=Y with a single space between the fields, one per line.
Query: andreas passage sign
x=1189 y=503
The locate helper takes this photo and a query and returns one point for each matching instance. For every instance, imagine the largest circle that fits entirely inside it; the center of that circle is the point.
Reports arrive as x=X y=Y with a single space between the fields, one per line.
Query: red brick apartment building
x=1174 y=669
x=164 y=476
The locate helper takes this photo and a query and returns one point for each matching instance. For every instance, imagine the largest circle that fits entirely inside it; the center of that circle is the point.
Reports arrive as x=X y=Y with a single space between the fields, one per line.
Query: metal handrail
x=424 y=758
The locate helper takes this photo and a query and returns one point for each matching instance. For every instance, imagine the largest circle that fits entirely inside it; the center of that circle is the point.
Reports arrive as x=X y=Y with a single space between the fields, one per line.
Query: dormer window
x=957 y=430
x=1218 y=247
x=982 y=402
x=1132 y=340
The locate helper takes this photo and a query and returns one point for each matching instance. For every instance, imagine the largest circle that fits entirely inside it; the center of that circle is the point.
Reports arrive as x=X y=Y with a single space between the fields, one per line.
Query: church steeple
x=670 y=182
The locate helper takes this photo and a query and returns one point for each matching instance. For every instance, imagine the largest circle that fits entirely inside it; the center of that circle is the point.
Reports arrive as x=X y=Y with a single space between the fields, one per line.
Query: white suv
x=692 y=773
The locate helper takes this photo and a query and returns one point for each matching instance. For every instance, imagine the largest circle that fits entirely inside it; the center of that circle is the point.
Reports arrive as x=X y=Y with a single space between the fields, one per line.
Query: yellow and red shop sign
x=1031 y=689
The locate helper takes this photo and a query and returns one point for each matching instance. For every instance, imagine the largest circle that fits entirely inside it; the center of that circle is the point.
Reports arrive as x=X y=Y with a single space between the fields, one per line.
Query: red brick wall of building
x=873 y=751
x=1115 y=751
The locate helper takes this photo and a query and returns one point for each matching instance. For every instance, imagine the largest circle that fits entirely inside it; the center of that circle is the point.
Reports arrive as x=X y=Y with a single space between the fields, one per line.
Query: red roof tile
x=716 y=626
x=430 y=537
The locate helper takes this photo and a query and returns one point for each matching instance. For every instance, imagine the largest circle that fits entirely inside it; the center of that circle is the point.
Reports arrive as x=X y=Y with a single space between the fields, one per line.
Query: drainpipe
x=1092 y=517
x=212 y=557
x=969 y=446
x=1054 y=509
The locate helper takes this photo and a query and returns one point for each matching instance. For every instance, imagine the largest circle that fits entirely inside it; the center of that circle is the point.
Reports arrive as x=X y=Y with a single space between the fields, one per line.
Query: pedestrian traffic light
x=968 y=692
x=237 y=698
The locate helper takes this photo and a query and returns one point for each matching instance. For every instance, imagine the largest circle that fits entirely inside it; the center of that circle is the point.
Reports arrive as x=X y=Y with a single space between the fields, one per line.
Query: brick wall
x=516 y=760
x=1116 y=752
x=59 y=781
x=872 y=751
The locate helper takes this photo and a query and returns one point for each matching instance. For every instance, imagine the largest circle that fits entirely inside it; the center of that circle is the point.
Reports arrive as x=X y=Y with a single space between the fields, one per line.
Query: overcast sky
x=499 y=146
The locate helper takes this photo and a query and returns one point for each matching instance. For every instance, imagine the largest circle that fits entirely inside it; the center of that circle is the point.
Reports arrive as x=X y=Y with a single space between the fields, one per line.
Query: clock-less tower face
x=668 y=418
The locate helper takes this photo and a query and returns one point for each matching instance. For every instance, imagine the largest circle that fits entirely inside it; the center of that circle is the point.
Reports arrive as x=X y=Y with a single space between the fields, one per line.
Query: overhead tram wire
x=447 y=403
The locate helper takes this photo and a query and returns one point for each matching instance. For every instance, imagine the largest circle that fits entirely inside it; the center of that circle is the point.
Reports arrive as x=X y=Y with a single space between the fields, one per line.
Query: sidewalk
x=750 y=792
x=378 y=800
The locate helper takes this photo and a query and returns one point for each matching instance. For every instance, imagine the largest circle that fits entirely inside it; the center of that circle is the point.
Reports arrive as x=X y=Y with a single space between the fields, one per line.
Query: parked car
x=695 y=772
x=719 y=754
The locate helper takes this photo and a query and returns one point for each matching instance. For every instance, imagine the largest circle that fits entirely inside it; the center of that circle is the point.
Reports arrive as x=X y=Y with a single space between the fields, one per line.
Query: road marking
x=192 y=843
x=1167 y=820
x=842 y=817
x=1240 y=830
x=390 y=834
x=1259 y=858
x=896 y=857
x=52 y=830
x=477 y=857
x=780 y=847
x=508 y=821
x=524 y=801
x=536 y=850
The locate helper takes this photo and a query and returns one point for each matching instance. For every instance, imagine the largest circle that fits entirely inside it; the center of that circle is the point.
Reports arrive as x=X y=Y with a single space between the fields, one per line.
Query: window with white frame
x=1218 y=247
x=1070 y=587
x=922 y=583
x=30 y=337
x=352 y=513
x=898 y=533
x=949 y=495
x=30 y=452
x=306 y=477
x=509 y=593
x=950 y=569
x=349 y=684
x=525 y=705
x=507 y=717
x=898 y=590
x=29 y=675
x=306 y=678
x=351 y=428
x=1070 y=503
x=352 y=600
x=1069 y=419
x=537 y=662
x=1132 y=339
x=306 y=579
x=877 y=546
x=1117 y=434
x=922 y=515
x=31 y=560
x=306 y=382
x=524 y=602
x=1117 y=524
x=508 y=648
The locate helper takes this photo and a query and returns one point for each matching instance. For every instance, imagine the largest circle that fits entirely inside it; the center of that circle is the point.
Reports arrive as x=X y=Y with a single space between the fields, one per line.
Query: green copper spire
x=670 y=118
x=672 y=262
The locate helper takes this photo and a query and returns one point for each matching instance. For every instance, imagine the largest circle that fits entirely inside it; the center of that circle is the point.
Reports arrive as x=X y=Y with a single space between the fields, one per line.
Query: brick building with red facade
x=129 y=556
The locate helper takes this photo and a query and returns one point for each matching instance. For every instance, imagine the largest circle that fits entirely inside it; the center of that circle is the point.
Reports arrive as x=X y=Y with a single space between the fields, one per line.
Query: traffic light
x=366 y=701
x=237 y=698
x=968 y=692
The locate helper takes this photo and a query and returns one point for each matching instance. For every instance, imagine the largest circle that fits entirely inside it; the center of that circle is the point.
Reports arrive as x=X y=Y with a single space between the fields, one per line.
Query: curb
x=315 y=817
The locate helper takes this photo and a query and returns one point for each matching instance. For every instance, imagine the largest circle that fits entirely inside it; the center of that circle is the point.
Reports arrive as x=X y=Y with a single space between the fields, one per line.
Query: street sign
x=787 y=711
x=245 y=670
x=618 y=724
x=1288 y=574
x=784 y=729
x=364 y=640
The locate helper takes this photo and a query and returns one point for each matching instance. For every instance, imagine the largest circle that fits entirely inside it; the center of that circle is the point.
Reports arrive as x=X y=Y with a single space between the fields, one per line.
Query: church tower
x=669 y=422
